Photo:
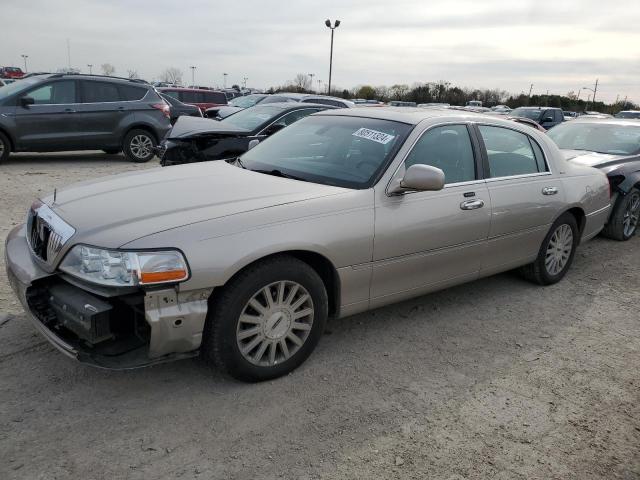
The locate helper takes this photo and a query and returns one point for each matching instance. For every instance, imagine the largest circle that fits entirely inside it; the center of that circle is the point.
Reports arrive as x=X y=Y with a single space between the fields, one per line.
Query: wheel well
x=141 y=127
x=11 y=144
x=323 y=267
x=578 y=213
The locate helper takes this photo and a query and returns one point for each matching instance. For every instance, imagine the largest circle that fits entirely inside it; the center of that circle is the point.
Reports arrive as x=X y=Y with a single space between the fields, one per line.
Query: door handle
x=472 y=204
x=549 y=190
x=69 y=110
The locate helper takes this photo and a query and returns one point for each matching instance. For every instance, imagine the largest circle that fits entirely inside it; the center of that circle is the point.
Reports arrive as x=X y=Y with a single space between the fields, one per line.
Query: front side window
x=56 y=93
x=510 y=152
x=348 y=152
x=99 y=92
x=447 y=148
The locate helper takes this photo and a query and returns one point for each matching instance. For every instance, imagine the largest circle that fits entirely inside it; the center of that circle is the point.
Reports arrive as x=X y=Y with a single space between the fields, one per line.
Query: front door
x=427 y=240
x=50 y=123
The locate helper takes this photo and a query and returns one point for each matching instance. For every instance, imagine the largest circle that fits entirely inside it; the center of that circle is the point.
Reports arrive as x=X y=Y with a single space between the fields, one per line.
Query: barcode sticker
x=373 y=135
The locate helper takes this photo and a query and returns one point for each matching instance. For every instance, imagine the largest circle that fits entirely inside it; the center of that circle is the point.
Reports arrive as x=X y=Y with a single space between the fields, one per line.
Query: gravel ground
x=495 y=379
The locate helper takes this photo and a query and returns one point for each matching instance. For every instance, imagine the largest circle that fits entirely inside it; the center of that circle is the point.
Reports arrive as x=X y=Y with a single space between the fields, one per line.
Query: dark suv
x=59 y=112
x=547 y=117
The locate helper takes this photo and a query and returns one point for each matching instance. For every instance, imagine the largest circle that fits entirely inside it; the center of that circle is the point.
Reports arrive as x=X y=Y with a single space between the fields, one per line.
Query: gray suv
x=60 y=112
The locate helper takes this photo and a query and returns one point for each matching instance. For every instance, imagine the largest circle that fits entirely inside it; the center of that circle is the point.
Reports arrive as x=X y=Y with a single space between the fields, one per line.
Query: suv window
x=56 y=93
x=558 y=115
x=98 y=92
x=447 y=148
x=130 y=93
x=510 y=152
x=215 y=97
x=191 y=97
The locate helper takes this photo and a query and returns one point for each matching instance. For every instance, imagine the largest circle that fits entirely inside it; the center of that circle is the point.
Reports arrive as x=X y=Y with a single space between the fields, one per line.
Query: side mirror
x=253 y=143
x=420 y=177
x=547 y=119
x=26 y=101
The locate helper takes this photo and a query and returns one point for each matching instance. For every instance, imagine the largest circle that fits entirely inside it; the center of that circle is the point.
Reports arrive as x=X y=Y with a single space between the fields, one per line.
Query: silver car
x=342 y=212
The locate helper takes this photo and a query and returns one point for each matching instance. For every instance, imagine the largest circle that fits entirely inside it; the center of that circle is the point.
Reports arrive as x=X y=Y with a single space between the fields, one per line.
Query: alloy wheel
x=559 y=249
x=141 y=146
x=275 y=323
x=631 y=215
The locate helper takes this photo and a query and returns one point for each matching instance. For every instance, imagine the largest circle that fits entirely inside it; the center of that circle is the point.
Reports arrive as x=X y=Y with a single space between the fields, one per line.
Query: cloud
x=490 y=43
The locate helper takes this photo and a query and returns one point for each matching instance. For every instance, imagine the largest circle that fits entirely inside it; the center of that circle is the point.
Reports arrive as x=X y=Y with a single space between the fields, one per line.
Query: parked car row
x=338 y=211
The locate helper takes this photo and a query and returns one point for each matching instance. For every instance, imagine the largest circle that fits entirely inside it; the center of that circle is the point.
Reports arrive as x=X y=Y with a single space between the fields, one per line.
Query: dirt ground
x=495 y=379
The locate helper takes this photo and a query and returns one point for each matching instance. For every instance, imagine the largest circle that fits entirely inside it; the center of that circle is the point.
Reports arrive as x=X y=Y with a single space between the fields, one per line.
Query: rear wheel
x=139 y=146
x=556 y=253
x=267 y=320
x=5 y=147
x=623 y=223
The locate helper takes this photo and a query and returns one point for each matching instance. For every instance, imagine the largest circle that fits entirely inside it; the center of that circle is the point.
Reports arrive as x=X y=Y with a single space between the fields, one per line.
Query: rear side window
x=191 y=97
x=511 y=153
x=324 y=101
x=171 y=93
x=215 y=97
x=56 y=93
x=131 y=93
x=98 y=92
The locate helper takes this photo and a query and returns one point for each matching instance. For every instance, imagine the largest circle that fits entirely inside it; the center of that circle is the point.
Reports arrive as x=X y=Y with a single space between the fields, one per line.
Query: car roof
x=414 y=115
x=539 y=108
x=185 y=89
x=629 y=122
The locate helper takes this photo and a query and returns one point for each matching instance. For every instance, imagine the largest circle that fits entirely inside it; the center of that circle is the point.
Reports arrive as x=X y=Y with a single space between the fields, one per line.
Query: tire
x=555 y=247
x=624 y=221
x=138 y=146
x=111 y=151
x=260 y=347
x=5 y=147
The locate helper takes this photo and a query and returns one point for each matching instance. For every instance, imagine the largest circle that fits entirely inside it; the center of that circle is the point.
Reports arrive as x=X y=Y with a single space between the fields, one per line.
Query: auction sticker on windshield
x=373 y=135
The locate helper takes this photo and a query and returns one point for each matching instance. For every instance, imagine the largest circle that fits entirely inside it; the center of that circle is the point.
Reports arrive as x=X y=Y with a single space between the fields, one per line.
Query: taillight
x=163 y=107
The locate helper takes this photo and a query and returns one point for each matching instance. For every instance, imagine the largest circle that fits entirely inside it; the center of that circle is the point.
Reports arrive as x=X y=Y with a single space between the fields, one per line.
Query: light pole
x=193 y=75
x=594 y=90
x=332 y=27
x=312 y=75
x=530 y=89
x=244 y=81
x=319 y=85
x=225 y=79
x=24 y=57
x=90 y=65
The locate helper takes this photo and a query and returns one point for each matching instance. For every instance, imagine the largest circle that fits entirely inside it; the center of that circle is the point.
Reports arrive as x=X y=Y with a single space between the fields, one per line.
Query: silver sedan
x=342 y=212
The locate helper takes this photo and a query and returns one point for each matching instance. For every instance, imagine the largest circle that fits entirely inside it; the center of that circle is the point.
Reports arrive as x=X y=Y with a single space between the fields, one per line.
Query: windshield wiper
x=238 y=162
x=279 y=173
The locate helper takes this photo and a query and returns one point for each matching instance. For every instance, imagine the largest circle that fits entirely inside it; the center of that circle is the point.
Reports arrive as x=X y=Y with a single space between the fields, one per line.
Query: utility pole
x=332 y=27
x=24 y=57
x=69 y=53
x=193 y=75
x=90 y=65
x=319 y=85
x=594 y=90
x=530 y=90
x=244 y=81
x=578 y=96
x=225 y=79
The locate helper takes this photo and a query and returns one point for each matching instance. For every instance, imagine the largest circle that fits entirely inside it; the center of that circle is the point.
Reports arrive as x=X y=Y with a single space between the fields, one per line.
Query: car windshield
x=253 y=118
x=628 y=115
x=246 y=102
x=597 y=137
x=533 y=114
x=15 y=87
x=347 y=152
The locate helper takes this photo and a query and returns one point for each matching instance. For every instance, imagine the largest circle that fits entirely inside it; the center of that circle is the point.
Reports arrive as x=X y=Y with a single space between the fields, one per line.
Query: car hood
x=113 y=211
x=187 y=127
x=591 y=159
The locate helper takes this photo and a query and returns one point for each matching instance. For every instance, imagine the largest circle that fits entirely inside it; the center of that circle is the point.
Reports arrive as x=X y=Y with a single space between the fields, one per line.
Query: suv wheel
x=625 y=218
x=139 y=145
x=5 y=147
x=267 y=320
x=556 y=253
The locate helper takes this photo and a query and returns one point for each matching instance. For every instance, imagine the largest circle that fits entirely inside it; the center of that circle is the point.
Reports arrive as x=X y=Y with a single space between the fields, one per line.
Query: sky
x=559 y=45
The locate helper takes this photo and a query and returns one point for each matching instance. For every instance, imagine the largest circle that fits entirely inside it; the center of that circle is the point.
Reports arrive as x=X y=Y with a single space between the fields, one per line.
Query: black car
x=178 y=109
x=613 y=146
x=547 y=117
x=59 y=112
x=247 y=101
x=202 y=139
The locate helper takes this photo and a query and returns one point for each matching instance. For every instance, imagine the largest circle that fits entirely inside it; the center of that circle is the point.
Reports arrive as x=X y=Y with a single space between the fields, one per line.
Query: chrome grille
x=47 y=233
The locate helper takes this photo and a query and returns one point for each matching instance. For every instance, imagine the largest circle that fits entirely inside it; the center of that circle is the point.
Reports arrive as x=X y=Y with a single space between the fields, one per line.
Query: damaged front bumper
x=127 y=329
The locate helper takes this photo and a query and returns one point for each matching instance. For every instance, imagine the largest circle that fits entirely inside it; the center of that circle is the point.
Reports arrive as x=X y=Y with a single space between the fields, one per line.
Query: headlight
x=123 y=269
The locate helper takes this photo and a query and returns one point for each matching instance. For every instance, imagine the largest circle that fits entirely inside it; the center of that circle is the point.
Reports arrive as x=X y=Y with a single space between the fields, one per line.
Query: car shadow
x=73 y=157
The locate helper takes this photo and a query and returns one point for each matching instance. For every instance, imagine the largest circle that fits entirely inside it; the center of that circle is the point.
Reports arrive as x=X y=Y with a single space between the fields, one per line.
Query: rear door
x=51 y=123
x=525 y=196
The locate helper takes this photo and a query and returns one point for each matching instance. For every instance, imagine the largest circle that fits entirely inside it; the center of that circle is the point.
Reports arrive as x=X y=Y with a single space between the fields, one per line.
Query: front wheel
x=139 y=146
x=624 y=220
x=5 y=147
x=267 y=320
x=556 y=253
